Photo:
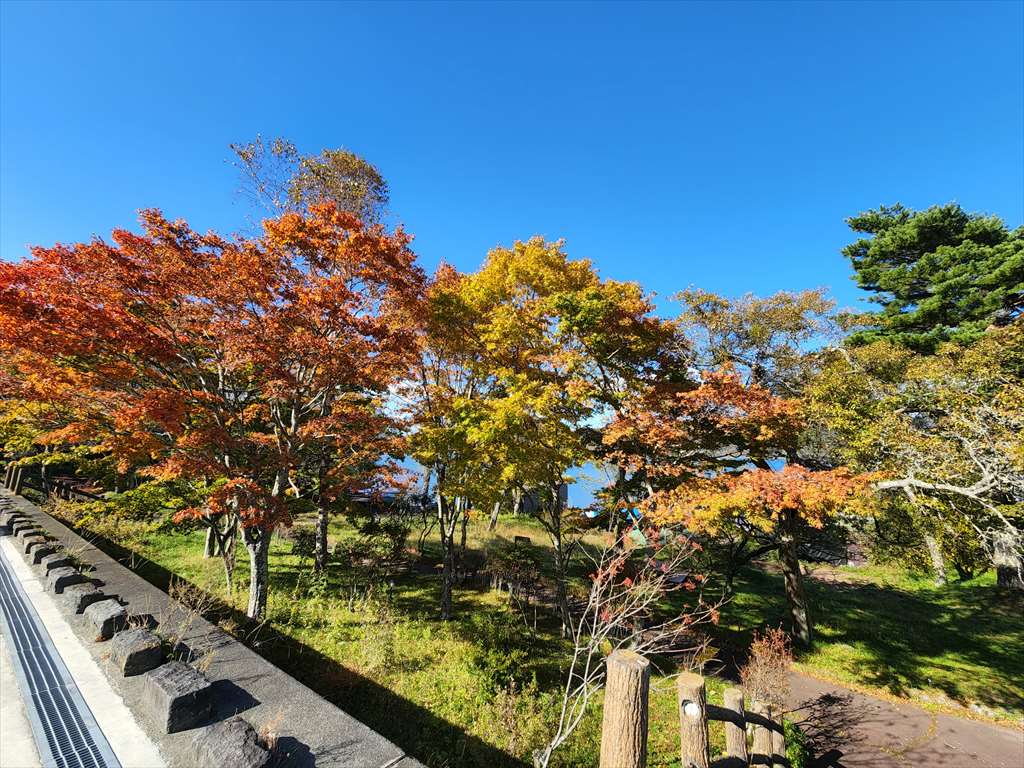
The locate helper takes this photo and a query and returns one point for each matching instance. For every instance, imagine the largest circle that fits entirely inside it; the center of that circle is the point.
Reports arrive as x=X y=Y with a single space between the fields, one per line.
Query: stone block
x=23 y=528
x=8 y=519
x=58 y=559
x=78 y=597
x=135 y=651
x=176 y=697
x=230 y=744
x=38 y=553
x=31 y=542
x=58 y=578
x=107 y=617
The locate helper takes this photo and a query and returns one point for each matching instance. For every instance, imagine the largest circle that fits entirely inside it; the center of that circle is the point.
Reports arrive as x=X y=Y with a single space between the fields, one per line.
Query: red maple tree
x=260 y=364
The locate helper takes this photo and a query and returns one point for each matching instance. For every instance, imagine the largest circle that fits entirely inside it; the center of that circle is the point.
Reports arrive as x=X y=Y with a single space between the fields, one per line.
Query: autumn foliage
x=241 y=361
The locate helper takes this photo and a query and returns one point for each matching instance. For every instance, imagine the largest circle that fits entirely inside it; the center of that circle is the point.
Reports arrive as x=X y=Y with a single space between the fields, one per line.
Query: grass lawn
x=427 y=685
x=887 y=632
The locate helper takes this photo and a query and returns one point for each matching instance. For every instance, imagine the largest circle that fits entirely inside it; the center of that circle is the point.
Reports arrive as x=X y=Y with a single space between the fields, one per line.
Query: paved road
x=853 y=730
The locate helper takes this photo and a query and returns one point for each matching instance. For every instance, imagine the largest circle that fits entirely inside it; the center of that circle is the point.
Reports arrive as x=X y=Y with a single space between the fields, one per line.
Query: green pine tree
x=940 y=274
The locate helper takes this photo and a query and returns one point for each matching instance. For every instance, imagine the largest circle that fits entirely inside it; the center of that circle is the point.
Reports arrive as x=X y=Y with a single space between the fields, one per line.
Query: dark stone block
x=78 y=597
x=7 y=521
x=58 y=578
x=31 y=542
x=176 y=696
x=58 y=559
x=230 y=744
x=107 y=617
x=135 y=651
x=23 y=529
x=38 y=553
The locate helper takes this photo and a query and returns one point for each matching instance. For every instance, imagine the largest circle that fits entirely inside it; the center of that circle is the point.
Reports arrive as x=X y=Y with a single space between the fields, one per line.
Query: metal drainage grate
x=65 y=730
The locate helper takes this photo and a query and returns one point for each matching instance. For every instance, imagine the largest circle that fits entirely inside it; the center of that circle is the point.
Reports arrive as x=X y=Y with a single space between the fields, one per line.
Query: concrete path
x=858 y=731
x=17 y=746
x=131 y=746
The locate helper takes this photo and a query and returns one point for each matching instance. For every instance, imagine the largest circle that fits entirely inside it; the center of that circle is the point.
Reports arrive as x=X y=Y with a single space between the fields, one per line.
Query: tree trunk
x=210 y=544
x=730 y=575
x=938 y=563
x=257 y=542
x=493 y=524
x=465 y=526
x=795 y=597
x=1008 y=562
x=446 y=523
x=561 y=566
x=323 y=517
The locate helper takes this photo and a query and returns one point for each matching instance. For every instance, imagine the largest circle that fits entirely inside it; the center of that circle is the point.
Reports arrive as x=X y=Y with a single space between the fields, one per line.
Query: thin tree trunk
x=322 y=519
x=257 y=542
x=226 y=548
x=465 y=526
x=493 y=524
x=561 y=566
x=210 y=544
x=795 y=596
x=447 y=525
x=938 y=563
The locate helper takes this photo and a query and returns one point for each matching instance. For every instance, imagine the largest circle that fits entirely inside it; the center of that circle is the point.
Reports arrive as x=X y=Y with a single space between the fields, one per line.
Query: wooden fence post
x=8 y=474
x=762 y=749
x=778 y=741
x=624 y=729
x=693 y=721
x=736 y=729
x=19 y=479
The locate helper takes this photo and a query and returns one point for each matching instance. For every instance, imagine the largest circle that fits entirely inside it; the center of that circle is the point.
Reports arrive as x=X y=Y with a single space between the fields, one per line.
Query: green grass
x=417 y=680
x=889 y=632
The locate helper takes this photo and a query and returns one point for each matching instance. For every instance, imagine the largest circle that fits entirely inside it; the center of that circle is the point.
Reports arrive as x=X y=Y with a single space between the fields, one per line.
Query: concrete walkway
x=17 y=746
x=131 y=746
x=858 y=731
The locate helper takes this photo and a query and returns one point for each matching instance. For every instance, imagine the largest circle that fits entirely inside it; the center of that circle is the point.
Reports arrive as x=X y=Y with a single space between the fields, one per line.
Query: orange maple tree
x=720 y=447
x=261 y=364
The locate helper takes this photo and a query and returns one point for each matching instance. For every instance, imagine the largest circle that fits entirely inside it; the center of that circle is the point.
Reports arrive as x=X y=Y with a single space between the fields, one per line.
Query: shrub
x=765 y=676
x=501 y=652
x=798 y=752
x=303 y=543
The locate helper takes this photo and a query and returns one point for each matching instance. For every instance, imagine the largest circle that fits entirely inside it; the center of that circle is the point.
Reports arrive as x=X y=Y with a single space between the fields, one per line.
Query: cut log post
x=778 y=741
x=9 y=475
x=624 y=729
x=19 y=480
x=693 y=721
x=736 y=729
x=762 y=749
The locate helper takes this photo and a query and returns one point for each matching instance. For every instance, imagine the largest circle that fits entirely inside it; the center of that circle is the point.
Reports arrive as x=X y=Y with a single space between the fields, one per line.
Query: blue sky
x=712 y=145
x=715 y=145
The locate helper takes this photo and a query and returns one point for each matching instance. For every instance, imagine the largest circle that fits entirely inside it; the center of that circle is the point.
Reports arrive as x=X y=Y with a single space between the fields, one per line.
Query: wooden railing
x=18 y=477
x=624 y=728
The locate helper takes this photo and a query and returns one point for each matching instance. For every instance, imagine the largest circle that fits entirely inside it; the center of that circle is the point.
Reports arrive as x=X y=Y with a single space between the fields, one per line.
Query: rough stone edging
x=241 y=688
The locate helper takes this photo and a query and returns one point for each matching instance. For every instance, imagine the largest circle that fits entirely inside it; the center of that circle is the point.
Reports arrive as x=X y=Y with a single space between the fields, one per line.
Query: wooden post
x=762 y=750
x=736 y=730
x=19 y=479
x=778 y=742
x=624 y=730
x=693 y=721
x=9 y=474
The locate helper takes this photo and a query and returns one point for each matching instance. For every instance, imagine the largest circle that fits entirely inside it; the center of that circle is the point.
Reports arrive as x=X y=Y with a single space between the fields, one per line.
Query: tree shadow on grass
x=904 y=641
x=416 y=730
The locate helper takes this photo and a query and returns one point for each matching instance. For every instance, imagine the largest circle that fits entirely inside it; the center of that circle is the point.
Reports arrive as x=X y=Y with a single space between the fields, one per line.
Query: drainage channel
x=64 y=728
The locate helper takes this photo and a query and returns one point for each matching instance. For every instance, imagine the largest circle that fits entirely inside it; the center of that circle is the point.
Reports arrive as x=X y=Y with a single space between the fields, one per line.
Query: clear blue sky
x=716 y=145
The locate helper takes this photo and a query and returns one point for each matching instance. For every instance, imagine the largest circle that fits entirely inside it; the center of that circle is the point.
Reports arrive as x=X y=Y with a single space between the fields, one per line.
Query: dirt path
x=853 y=730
